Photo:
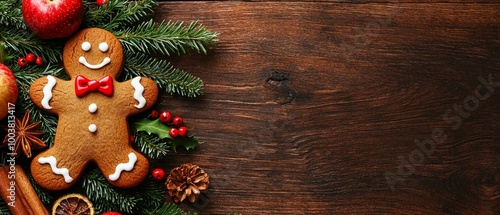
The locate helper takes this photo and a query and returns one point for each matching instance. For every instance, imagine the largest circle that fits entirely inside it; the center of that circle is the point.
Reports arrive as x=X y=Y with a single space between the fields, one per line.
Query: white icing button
x=103 y=47
x=86 y=46
x=92 y=108
x=92 y=128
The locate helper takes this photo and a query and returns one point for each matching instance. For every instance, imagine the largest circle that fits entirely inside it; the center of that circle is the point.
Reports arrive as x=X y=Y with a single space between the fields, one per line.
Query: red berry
x=178 y=121
x=154 y=114
x=39 y=61
x=166 y=117
x=173 y=132
x=111 y=213
x=182 y=131
x=132 y=139
x=30 y=57
x=22 y=62
x=158 y=174
x=101 y=2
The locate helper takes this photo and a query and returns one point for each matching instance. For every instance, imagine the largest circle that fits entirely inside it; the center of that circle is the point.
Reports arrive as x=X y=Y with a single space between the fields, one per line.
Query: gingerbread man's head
x=93 y=52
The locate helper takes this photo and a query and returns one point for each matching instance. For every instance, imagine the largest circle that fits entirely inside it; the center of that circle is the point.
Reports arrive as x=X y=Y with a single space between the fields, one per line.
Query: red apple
x=53 y=18
x=8 y=90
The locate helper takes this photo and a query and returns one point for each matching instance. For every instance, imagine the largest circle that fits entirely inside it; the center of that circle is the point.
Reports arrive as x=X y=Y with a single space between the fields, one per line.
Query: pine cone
x=188 y=180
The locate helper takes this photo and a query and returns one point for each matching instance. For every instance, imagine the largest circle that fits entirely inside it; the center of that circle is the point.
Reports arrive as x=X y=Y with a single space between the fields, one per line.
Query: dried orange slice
x=73 y=204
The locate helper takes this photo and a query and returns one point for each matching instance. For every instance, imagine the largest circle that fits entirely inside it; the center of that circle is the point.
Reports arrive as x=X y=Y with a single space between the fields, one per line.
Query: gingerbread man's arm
x=46 y=92
x=138 y=94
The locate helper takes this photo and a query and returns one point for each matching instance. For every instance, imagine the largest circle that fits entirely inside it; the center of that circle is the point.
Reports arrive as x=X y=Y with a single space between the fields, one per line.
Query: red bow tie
x=83 y=86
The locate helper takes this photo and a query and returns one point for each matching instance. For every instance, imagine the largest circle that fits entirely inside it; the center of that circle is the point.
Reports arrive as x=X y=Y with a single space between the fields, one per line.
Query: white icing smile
x=104 y=62
x=103 y=47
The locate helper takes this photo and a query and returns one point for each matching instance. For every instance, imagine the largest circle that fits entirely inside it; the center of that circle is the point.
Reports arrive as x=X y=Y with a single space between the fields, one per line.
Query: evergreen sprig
x=105 y=197
x=173 y=80
x=170 y=209
x=116 y=14
x=167 y=37
x=152 y=193
x=150 y=145
x=11 y=15
x=26 y=76
x=4 y=210
x=18 y=42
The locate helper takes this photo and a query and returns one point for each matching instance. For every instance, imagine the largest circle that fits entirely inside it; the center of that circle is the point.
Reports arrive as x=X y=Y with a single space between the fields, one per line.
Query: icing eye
x=86 y=46
x=103 y=47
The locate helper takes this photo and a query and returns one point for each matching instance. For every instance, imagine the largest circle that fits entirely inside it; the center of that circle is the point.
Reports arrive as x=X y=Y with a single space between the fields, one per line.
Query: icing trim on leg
x=132 y=158
x=53 y=164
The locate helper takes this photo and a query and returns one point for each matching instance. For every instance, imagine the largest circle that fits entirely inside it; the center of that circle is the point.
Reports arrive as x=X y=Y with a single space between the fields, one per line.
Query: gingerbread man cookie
x=93 y=109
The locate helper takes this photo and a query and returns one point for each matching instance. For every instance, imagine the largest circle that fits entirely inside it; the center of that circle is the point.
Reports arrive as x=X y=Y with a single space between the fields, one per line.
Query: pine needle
x=11 y=15
x=115 y=14
x=171 y=79
x=151 y=146
x=4 y=209
x=169 y=209
x=167 y=37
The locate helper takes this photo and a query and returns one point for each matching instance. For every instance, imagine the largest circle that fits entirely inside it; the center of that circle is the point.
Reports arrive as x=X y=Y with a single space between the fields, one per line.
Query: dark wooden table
x=345 y=107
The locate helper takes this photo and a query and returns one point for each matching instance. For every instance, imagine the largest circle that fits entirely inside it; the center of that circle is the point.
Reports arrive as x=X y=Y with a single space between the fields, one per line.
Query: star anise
x=26 y=136
x=187 y=181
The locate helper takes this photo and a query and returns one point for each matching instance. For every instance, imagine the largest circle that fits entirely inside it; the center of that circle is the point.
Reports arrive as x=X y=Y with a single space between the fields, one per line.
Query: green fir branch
x=11 y=15
x=3 y=158
x=167 y=37
x=152 y=194
x=104 y=196
x=169 y=209
x=116 y=14
x=150 y=145
x=168 y=78
x=26 y=76
x=19 y=42
x=2 y=54
x=4 y=209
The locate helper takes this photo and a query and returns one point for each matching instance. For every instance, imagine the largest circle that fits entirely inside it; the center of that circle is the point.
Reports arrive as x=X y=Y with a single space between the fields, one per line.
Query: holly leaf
x=153 y=127
x=161 y=130
x=187 y=142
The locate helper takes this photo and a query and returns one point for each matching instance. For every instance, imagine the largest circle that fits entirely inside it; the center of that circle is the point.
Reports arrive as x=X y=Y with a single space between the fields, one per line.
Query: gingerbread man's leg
x=127 y=168
x=57 y=169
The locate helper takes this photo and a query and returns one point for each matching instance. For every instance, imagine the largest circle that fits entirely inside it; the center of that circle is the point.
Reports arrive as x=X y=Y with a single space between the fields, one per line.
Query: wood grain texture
x=310 y=107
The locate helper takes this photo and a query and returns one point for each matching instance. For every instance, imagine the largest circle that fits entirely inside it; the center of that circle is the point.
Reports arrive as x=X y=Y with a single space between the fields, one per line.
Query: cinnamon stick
x=25 y=201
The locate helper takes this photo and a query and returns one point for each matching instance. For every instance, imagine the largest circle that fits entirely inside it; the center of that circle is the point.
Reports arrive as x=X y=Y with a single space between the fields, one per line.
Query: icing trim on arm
x=138 y=92
x=132 y=158
x=53 y=164
x=47 y=92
